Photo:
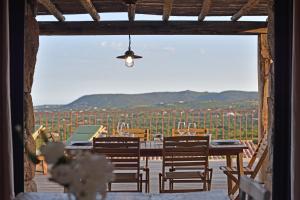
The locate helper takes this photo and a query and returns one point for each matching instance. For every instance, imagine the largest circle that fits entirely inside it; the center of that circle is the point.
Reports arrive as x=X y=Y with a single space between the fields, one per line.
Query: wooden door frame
x=282 y=97
x=16 y=34
x=281 y=140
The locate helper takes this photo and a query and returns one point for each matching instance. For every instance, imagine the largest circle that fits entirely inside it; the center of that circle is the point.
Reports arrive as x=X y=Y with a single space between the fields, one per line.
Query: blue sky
x=71 y=66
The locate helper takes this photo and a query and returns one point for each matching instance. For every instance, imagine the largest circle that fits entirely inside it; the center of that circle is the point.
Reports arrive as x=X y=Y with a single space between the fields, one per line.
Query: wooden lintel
x=153 y=28
x=131 y=12
x=204 y=10
x=167 y=9
x=52 y=9
x=89 y=7
x=244 y=10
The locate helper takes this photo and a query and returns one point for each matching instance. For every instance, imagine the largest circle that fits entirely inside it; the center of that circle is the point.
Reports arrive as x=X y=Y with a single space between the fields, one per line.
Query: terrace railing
x=222 y=124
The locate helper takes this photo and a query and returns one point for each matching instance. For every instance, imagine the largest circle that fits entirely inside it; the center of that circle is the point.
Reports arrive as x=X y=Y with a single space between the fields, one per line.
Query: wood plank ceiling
x=201 y=8
x=166 y=8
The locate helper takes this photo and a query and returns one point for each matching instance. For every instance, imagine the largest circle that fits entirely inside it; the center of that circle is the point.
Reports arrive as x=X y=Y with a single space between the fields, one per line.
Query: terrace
x=244 y=125
x=223 y=124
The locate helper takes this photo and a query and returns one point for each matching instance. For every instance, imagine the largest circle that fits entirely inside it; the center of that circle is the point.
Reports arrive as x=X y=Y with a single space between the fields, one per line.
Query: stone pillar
x=31 y=48
x=264 y=81
x=264 y=62
x=270 y=101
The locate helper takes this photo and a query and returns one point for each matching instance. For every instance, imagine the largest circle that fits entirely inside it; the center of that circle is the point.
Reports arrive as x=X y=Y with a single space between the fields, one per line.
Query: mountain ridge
x=124 y=101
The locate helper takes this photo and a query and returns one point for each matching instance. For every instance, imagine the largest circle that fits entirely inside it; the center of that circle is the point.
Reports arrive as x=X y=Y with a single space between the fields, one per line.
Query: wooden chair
x=190 y=153
x=143 y=135
x=198 y=131
x=253 y=166
x=124 y=154
x=252 y=190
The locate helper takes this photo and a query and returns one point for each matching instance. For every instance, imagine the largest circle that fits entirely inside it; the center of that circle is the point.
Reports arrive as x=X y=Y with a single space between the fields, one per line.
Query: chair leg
x=140 y=185
x=148 y=181
x=109 y=187
x=160 y=184
x=45 y=167
x=210 y=171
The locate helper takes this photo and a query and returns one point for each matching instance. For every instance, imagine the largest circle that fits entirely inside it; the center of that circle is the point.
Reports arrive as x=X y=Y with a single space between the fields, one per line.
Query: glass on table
x=158 y=138
x=191 y=128
x=181 y=128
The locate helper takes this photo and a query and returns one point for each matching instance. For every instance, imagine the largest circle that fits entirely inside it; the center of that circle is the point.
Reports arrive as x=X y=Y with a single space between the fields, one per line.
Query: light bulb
x=129 y=61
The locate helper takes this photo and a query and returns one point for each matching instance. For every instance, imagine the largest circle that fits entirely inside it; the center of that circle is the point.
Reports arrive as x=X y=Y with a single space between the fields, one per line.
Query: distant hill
x=124 y=101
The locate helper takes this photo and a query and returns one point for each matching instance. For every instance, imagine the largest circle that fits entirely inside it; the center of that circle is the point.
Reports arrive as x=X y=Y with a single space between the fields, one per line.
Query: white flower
x=53 y=151
x=62 y=174
x=84 y=176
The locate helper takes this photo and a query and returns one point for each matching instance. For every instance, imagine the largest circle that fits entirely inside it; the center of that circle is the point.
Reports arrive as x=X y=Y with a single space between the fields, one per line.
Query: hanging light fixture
x=129 y=56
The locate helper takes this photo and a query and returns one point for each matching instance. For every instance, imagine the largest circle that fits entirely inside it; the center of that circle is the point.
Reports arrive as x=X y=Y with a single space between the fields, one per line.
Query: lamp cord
x=129 y=47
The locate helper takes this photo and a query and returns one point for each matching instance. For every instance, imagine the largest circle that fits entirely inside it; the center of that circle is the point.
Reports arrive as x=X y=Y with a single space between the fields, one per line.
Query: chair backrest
x=123 y=152
x=141 y=133
x=185 y=151
x=259 y=156
x=252 y=190
x=198 y=131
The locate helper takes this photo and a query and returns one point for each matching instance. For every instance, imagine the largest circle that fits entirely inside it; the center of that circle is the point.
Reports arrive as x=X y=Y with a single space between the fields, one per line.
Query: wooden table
x=155 y=149
x=212 y=195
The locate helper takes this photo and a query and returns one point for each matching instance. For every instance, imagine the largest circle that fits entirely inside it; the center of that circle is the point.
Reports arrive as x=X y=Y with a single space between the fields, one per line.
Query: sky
x=69 y=67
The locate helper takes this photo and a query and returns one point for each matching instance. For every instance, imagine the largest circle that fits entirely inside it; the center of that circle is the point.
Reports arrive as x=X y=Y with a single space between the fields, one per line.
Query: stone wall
x=31 y=48
x=270 y=101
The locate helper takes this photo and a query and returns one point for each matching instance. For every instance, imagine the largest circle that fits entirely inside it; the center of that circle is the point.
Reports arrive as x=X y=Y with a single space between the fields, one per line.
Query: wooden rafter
x=153 y=28
x=131 y=11
x=204 y=10
x=52 y=9
x=245 y=9
x=89 y=7
x=167 y=9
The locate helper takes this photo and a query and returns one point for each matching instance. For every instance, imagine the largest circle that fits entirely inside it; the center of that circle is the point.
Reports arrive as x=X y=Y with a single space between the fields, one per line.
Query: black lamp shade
x=129 y=53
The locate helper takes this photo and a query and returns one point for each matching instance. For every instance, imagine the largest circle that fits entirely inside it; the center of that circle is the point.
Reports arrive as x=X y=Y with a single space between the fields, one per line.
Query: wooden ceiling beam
x=89 y=7
x=204 y=10
x=153 y=28
x=52 y=9
x=244 y=10
x=131 y=12
x=167 y=9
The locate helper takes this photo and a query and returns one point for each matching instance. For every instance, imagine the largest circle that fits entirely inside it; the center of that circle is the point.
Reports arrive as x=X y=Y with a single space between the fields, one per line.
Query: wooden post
x=223 y=129
x=71 y=122
x=187 y=117
x=246 y=126
x=46 y=123
x=210 y=120
x=199 y=120
x=264 y=62
x=264 y=81
x=76 y=120
x=204 y=121
x=241 y=126
x=169 y=118
x=162 y=122
x=174 y=119
x=234 y=125
x=58 y=122
x=52 y=121
x=252 y=126
x=228 y=124
x=150 y=122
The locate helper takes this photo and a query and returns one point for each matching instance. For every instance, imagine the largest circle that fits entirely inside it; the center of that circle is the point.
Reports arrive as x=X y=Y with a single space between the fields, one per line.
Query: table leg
x=240 y=166
x=229 y=181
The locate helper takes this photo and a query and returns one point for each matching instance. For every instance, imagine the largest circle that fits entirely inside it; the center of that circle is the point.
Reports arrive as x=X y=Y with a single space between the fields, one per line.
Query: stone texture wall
x=270 y=101
x=264 y=66
x=31 y=48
